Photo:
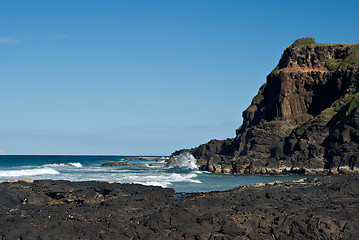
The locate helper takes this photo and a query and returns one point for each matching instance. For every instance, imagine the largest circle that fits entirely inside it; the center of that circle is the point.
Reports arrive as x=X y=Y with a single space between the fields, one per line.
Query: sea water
x=184 y=177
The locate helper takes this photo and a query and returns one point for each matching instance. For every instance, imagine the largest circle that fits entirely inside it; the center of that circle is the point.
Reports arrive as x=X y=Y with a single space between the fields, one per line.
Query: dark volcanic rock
x=315 y=208
x=303 y=119
x=116 y=164
x=145 y=158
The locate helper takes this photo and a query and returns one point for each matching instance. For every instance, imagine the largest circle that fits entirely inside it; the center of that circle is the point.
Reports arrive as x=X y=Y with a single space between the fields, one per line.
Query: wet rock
x=159 y=159
x=314 y=208
x=120 y=164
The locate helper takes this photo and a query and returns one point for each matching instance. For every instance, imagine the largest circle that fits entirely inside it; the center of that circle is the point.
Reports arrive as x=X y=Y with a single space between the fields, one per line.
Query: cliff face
x=305 y=118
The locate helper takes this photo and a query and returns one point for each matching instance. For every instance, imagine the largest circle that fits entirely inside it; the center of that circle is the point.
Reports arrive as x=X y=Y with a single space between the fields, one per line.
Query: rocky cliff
x=304 y=119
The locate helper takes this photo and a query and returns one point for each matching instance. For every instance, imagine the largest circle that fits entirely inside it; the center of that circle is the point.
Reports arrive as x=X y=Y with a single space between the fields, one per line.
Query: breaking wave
x=74 y=164
x=185 y=160
x=165 y=180
x=28 y=172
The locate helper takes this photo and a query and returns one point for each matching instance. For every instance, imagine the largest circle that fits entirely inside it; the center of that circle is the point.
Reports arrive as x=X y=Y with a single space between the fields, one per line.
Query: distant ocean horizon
x=184 y=178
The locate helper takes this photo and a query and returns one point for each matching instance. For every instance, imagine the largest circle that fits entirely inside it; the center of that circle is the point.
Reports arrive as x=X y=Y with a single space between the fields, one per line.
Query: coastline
x=316 y=207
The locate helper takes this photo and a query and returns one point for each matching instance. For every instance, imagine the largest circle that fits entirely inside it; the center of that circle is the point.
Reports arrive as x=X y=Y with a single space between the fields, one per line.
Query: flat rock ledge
x=314 y=208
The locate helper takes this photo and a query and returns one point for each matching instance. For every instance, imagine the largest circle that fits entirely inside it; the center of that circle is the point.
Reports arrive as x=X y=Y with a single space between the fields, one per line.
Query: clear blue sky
x=144 y=77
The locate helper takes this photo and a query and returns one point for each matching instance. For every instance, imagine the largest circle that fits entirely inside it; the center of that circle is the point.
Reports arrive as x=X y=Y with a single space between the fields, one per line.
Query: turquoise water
x=88 y=168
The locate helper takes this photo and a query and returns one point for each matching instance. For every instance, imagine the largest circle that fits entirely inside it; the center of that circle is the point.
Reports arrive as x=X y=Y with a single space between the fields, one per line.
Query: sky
x=132 y=77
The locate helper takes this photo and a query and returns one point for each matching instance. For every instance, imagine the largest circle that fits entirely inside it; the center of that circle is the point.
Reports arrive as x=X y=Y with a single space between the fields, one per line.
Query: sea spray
x=71 y=164
x=28 y=172
x=75 y=164
x=164 y=180
x=184 y=159
x=183 y=177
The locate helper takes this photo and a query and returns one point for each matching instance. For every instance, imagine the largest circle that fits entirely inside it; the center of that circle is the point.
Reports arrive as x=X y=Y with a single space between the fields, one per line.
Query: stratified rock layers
x=304 y=119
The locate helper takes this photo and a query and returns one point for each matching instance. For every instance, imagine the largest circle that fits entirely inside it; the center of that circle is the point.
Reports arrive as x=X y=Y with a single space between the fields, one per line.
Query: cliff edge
x=304 y=119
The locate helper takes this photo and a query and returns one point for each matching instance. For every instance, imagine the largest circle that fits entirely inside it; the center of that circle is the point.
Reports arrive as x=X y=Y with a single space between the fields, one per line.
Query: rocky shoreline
x=315 y=208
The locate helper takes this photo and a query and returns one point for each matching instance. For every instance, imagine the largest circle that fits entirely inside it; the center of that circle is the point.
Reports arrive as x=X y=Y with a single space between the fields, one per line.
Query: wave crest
x=164 y=180
x=74 y=164
x=28 y=172
x=185 y=159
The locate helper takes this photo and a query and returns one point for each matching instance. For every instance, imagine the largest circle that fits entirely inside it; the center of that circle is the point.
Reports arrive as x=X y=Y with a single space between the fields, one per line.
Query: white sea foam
x=154 y=166
x=76 y=164
x=154 y=183
x=54 y=165
x=28 y=172
x=195 y=181
x=163 y=180
x=184 y=160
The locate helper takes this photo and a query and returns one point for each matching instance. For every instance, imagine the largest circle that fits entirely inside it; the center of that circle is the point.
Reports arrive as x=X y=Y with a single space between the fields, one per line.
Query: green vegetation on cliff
x=356 y=76
x=276 y=69
x=339 y=62
x=334 y=64
x=334 y=108
x=303 y=119
x=340 y=110
x=260 y=95
x=354 y=103
x=303 y=42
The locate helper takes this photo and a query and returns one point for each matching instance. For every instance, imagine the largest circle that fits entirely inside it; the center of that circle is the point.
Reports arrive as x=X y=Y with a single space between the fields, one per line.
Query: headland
x=304 y=119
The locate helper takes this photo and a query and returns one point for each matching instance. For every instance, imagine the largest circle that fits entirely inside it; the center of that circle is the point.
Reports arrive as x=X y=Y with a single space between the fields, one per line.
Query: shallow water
x=88 y=168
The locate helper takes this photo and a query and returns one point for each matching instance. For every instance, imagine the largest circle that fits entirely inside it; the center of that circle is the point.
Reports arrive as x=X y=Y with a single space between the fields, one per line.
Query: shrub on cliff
x=303 y=41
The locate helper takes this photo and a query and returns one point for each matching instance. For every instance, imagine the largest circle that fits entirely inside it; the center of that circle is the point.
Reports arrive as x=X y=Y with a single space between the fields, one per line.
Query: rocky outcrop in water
x=315 y=208
x=120 y=164
x=157 y=159
x=304 y=118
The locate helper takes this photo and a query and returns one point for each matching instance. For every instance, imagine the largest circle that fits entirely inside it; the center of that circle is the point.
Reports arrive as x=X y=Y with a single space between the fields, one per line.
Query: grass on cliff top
x=309 y=41
x=332 y=64
x=303 y=42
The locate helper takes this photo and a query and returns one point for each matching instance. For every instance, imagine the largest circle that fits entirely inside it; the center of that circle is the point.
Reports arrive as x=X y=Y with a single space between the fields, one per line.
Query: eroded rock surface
x=315 y=208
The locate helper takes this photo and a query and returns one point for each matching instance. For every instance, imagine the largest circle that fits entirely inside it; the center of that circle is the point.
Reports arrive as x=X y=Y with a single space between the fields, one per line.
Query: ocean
x=183 y=178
